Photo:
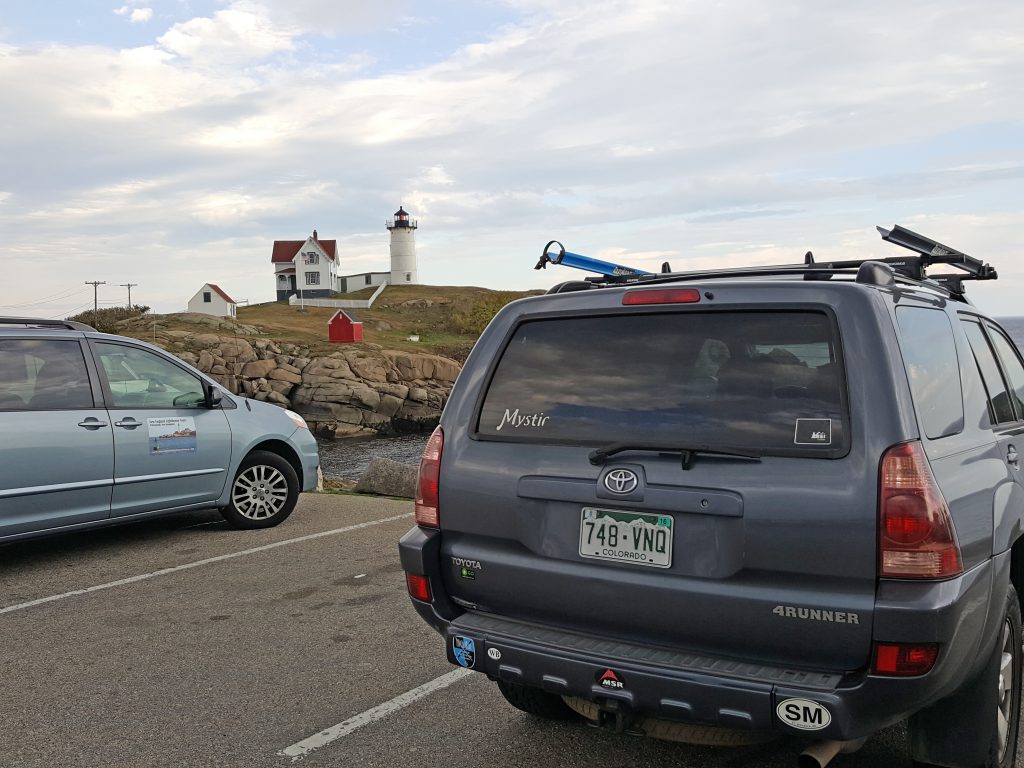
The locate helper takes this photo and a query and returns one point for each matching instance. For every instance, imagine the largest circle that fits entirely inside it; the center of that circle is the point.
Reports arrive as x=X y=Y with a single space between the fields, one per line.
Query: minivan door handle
x=92 y=423
x=1012 y=459
x=128 y=423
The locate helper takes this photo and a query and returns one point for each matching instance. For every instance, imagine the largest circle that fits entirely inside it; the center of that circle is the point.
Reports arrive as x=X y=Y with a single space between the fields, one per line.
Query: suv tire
x=535 y=702
x=994 y=694
x=263 y=493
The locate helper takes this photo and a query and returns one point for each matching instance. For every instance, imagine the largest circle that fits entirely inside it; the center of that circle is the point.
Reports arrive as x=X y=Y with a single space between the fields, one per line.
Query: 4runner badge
x=610 y=680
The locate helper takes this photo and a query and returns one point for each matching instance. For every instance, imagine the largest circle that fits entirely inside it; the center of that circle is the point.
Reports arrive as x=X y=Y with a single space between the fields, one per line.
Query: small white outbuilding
x=211 y=300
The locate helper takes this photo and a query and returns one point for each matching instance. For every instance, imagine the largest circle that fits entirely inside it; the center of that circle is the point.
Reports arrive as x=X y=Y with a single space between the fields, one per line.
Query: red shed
x=344 y=328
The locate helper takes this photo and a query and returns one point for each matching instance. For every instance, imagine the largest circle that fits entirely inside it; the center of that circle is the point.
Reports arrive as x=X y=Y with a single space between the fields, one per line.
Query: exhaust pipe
x=820 y=754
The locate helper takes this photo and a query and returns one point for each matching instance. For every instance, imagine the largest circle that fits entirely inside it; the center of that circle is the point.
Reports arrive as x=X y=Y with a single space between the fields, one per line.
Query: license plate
x=626 y=537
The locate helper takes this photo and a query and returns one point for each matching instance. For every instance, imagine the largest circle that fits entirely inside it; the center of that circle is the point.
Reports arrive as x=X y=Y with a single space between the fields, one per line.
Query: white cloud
x=141 y=15
x=692 y=132
x=241 y=33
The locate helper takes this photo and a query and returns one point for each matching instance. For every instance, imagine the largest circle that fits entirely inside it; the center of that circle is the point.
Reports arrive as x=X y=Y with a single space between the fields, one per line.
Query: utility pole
x=95 y=293
x=129 y=286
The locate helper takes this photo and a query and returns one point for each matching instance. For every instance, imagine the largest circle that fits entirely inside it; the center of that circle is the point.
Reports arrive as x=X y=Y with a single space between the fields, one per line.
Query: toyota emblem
x=621 y=481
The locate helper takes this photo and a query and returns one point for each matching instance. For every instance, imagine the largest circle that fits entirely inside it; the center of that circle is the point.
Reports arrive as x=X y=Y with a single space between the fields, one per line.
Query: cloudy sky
x=169 y=142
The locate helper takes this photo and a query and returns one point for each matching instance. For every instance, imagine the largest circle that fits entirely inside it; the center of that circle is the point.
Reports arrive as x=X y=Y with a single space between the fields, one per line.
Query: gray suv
x=721 y=506
x=100 y=429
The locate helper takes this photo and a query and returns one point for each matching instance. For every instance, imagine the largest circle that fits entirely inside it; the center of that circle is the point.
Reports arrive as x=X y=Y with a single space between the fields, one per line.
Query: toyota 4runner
x=777 y=500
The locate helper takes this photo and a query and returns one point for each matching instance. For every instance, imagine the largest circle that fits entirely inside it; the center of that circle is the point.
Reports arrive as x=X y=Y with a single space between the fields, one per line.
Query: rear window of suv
x=770 y=381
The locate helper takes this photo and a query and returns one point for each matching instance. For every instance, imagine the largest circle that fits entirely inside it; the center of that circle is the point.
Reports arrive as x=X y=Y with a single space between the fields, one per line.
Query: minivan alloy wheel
x=260 y=492
x=1006 y=678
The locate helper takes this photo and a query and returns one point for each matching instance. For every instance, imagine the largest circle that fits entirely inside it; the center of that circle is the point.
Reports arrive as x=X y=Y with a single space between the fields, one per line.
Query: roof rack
x=885 y=271
x=36 y=322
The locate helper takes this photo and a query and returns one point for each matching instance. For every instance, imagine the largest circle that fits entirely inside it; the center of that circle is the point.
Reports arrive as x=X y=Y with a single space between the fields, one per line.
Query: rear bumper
x=689 y=687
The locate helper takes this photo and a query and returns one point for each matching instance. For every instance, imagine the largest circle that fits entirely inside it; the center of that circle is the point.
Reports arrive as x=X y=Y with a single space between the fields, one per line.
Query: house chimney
x=314 y=234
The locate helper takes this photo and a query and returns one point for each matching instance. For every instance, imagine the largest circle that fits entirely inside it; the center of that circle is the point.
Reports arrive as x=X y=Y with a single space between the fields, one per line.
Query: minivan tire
x=1002 y=668
x=263 y=492
x=536 y=702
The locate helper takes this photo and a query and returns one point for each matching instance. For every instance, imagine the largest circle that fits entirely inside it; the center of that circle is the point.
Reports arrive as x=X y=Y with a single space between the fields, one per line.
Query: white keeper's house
x=308 y=265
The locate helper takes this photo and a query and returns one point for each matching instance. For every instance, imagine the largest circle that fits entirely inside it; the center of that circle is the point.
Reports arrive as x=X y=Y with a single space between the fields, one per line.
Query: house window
x=310 y=258
x=207 y=298
x=283 y=278
x=369 y=279
x=312 y=278
x=408 y=277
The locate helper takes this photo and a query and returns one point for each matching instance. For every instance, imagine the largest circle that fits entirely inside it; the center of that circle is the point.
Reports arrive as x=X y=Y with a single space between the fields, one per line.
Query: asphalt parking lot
x=180 y=642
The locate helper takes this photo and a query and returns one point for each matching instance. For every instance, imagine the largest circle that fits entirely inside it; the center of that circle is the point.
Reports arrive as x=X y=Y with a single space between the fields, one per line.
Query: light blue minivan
x=97 y=429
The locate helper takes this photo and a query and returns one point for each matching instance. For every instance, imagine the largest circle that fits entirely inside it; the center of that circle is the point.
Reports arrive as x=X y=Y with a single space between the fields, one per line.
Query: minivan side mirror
x=213 y=396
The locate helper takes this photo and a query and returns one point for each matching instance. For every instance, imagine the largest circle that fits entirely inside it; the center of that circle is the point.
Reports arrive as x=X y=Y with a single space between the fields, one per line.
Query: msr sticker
x=813 y=432
x=464 y=649
x=610 y=679
x=804 y=714
x=172 y=435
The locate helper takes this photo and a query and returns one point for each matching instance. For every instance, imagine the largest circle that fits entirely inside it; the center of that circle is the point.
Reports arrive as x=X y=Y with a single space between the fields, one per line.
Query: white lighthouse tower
x=403 y=247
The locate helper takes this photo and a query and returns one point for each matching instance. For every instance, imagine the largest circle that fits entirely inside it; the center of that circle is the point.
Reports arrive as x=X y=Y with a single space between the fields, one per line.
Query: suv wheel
x=988 y=707
x=535 y=702
x=263 y=493
x=1008 y=685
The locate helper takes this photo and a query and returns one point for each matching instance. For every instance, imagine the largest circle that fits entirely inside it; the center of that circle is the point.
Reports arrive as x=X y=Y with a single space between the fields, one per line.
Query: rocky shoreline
x=356 y=390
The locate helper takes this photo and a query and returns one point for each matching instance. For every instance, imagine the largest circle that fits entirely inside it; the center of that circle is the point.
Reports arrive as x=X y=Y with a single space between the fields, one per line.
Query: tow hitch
x=616 y=717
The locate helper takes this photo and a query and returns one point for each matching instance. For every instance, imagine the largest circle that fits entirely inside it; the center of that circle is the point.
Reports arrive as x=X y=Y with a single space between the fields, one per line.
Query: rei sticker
x=172 y=435
x=804 y=714
x=813 y=432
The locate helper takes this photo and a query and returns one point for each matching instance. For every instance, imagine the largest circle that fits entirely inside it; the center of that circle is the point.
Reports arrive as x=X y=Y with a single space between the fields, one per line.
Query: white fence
x=339 y=303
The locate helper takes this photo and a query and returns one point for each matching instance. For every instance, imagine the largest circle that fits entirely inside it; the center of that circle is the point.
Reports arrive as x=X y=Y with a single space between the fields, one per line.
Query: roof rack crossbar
x=37 y=322
x=908 y=270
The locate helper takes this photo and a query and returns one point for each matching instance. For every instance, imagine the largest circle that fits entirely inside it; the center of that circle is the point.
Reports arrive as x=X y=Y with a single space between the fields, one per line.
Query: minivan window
x=766 y=380
x=999 y=401
x=141 y=379
x=43 y=375
x=1010 y=359
x=929 y=353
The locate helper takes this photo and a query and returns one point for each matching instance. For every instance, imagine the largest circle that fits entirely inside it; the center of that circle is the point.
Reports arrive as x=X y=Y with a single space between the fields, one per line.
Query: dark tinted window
x=43 y=374
x=765 y=380
x=1012 y=367
x=999 y=400
x=929 y=353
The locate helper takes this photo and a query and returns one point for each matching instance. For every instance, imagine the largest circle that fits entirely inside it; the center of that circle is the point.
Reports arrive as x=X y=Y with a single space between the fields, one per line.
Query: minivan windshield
x=766 y=380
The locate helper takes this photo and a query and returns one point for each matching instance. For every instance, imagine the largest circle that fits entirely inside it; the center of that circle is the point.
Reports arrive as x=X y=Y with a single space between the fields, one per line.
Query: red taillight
x=916 y=538
x=426 y=483
x=418 y=586
x=661 y=296
x=904 y=660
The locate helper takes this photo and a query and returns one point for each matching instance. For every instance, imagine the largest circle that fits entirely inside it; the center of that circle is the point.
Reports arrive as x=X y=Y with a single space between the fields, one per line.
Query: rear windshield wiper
x=688 y=453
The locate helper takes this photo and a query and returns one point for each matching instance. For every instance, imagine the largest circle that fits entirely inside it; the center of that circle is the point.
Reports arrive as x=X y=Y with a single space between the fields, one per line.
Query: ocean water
x=349 y=458
x=1015 y=327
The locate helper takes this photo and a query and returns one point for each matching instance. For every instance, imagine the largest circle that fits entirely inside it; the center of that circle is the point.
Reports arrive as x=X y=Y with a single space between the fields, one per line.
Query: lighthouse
x=403 y=247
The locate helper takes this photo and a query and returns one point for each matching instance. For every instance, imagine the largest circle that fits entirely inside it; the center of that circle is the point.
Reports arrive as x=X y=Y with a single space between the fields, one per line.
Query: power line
x=95 y=292
x=51 y=299
x=129 y=286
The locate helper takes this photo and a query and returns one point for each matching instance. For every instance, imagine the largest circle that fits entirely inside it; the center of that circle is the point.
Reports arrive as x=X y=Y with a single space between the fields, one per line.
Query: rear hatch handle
x=687 y=453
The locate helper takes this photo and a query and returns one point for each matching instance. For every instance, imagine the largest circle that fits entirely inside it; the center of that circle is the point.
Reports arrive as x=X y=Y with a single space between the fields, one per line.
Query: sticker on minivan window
x=813 y=432
x=176 y=434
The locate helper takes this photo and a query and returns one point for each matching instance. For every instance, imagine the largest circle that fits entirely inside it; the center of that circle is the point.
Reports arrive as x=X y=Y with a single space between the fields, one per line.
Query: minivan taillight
x=426 y=482
x=916 y=535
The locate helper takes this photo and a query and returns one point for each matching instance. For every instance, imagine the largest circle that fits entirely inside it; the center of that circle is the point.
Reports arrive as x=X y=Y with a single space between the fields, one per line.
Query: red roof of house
x=285 y=250
x=216 y=289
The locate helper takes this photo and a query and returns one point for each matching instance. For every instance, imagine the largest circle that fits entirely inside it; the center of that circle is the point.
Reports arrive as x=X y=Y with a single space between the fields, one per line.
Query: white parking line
x=196 y=564
x=344 y=728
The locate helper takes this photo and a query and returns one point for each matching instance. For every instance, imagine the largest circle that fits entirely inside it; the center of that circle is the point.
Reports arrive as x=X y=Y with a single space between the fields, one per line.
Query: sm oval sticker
x=803 y=714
